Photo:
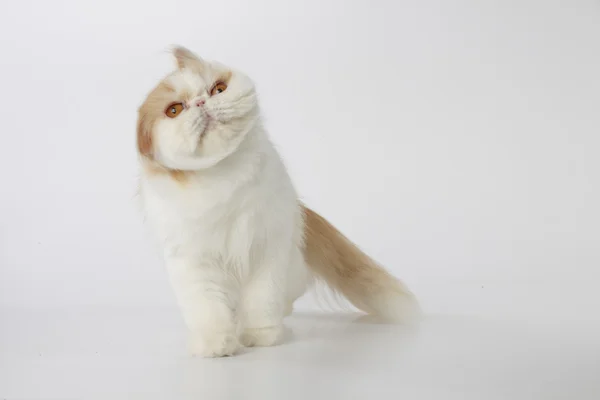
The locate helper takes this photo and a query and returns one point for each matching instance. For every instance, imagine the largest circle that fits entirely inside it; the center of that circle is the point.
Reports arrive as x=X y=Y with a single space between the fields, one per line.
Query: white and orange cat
x=239 y=246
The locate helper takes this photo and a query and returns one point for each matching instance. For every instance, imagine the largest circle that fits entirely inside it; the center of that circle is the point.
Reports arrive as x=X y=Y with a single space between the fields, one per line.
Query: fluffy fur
x=238 y=245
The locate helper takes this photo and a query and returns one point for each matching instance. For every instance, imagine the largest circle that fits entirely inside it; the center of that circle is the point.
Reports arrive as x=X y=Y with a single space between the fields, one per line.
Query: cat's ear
x=186 y=59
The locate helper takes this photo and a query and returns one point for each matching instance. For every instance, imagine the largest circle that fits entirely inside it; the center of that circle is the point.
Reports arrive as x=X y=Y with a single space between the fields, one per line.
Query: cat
x=238 y=245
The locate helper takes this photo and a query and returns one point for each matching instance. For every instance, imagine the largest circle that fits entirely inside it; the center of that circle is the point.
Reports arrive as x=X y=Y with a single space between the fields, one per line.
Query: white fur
x=232 y=232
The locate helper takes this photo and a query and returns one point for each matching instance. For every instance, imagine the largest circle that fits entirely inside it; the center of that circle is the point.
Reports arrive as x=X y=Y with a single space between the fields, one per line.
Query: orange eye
x=174 y=110
x=218 y=88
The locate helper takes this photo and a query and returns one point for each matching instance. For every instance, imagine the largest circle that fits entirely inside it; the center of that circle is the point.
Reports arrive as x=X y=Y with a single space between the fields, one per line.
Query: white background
x=458 y=143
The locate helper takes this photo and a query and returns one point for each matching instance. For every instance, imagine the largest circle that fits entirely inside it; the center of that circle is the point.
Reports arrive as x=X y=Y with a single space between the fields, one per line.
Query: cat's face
x=197 y=115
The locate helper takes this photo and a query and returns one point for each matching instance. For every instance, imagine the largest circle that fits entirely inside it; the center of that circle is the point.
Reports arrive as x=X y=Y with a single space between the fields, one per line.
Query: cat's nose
x=200 y=103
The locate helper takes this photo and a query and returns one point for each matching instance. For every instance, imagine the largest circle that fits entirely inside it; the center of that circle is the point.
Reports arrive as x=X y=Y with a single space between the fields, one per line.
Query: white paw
x=267 y=336
x=216 y=344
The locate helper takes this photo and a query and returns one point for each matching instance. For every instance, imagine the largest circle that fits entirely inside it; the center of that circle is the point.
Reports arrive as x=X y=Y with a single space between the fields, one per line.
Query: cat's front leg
x=263 y=306
x=208 y=299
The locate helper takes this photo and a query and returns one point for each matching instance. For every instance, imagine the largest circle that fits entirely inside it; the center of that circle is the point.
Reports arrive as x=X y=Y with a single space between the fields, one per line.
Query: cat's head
x=197 y=115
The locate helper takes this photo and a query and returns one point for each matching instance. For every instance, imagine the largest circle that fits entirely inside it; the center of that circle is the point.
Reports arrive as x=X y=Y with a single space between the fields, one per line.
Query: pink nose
x=200 y=102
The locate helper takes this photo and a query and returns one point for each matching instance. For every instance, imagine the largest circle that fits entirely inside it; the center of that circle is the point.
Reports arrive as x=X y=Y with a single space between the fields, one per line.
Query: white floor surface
x=141 y=354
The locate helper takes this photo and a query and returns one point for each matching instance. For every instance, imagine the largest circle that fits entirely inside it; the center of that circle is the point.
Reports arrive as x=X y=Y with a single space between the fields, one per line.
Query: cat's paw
x=217 y=344
x=267 y=336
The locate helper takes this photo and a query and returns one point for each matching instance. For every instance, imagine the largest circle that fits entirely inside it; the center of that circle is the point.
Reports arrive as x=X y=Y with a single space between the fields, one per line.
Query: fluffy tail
x=347 y=270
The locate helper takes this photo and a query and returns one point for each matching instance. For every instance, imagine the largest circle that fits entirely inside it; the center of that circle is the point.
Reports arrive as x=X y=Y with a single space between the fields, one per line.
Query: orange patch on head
x=149 y=112
x=225 y=77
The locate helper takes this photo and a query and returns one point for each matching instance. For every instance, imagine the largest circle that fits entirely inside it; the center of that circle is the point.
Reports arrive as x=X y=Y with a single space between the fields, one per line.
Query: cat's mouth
x=207 y=123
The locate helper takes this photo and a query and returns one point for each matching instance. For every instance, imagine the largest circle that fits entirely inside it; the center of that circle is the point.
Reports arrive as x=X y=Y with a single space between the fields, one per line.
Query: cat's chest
x=195 y=199
x=201 y=218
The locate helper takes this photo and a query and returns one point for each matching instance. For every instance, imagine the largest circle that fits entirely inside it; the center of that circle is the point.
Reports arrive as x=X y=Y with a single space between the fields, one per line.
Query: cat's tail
x=347 y=270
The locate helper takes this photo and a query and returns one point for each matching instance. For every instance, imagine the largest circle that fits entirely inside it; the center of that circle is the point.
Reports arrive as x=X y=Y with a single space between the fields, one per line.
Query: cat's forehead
x=192 y=82
x=184 y=81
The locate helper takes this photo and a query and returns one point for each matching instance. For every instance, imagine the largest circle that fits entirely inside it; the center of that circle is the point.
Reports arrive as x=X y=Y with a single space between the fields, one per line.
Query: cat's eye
x=174 y=110
x=218 y=88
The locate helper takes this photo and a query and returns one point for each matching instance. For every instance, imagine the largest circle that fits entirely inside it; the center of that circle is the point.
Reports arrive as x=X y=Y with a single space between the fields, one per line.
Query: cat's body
x=238 y=245
x=237 y=228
